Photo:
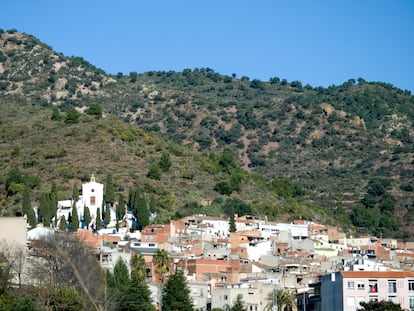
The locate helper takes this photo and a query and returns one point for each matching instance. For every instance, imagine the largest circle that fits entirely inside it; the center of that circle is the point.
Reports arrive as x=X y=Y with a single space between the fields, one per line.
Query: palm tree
x=162 y=267
x=281 y=299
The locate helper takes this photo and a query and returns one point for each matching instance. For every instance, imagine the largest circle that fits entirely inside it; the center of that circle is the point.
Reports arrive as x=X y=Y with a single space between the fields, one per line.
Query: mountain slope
x=331 y=143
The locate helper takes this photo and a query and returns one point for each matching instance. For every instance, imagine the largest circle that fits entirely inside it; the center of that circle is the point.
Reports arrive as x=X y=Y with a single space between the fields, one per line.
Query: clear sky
x=318 y=42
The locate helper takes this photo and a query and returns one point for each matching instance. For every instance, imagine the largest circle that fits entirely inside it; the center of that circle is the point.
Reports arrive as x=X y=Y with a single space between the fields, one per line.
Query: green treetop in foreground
x=176 y=295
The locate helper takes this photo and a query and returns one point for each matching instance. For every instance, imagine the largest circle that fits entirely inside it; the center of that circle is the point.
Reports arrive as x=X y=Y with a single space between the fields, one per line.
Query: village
x=324 y=268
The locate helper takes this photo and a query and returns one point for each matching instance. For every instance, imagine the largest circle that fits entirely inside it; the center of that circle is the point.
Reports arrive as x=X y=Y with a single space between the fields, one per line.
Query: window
x=411 y=285
x=373 y=286
x=392 y=286
x=411 y=303
x=351 y=285
x=373 y=298
x=393 y=299
x=92 y=201
x=360 y=285
x=226 y=297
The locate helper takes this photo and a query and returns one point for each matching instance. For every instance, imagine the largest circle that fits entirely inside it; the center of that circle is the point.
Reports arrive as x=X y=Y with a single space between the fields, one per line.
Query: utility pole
x=304 y=301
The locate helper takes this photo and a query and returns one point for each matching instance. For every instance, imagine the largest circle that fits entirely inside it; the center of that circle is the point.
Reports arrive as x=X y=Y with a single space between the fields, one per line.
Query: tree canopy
x=176 y=295
x=379 y=306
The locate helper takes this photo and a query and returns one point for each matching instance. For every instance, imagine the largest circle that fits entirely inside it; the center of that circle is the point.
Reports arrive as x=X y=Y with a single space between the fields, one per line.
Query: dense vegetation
x=182 y=138
x=59 y=282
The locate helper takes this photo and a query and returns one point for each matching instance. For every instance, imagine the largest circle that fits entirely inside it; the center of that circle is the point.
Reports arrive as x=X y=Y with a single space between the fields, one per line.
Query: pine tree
x=137 y=295
x=176 y=295
x=75 y=218
x=98 y=219
x=62 y=223
x=121 y=275
x=87 y=216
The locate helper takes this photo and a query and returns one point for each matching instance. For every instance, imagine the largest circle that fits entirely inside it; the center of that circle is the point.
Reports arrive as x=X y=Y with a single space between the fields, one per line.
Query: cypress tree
x=53 y=197
x=70 y=218
x=45 y=210
x=75 y=218
x=107 y=216
x=131 y=197
x=27 y=208
x=75 y=192
x=98 y=219
x=53 y=201
x=232 y=223
x=87 y=216
x=142 y=211
x=121 y=207
x=62 y=223
x=109 y=190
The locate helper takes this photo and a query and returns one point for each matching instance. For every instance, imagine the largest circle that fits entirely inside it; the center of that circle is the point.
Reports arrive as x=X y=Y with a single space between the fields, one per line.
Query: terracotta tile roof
x=377 y=274
x=93 y=240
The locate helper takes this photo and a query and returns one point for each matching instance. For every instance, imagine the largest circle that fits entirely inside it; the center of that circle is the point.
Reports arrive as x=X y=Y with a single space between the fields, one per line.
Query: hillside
x=333 y=144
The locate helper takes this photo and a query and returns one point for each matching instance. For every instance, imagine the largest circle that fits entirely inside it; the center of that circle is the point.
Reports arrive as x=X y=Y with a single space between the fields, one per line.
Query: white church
x=92 y=197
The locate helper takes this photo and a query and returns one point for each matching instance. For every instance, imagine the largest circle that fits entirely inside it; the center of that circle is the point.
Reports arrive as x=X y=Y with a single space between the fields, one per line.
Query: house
x=344 y=290
x=200 y=294
x=13 y=231
x=200 y=269
x=254 y=295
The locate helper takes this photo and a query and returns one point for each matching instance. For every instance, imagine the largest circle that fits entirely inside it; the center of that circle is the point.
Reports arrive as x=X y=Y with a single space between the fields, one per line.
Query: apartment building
x=254 y=295
x=344 y=290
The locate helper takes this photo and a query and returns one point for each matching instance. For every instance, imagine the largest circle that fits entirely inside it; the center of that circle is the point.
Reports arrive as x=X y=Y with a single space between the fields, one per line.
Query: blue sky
x=318 y=42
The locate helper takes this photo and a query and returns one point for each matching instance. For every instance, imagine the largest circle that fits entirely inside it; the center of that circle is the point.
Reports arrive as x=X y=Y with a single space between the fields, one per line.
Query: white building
x=92 y=197
x=261 y=248
x=254 y=295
